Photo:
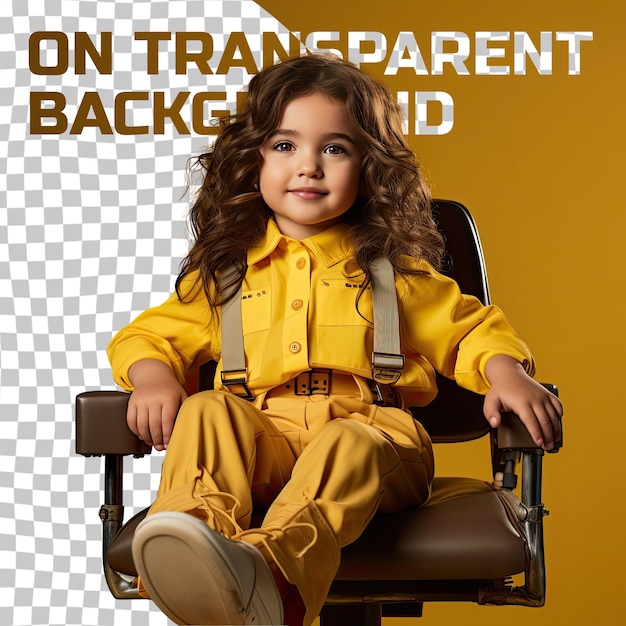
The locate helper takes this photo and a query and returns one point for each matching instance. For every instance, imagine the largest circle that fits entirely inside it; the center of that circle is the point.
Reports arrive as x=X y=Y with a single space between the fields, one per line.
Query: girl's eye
x=283 y=146
x=334 y=149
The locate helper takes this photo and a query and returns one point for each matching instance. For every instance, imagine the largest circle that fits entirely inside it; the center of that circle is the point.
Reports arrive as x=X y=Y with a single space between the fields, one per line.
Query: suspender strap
x=387 y=360
x=234 y=371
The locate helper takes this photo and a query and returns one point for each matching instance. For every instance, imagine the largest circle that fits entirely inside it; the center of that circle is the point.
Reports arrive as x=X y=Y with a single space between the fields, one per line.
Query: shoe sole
x=186 y=569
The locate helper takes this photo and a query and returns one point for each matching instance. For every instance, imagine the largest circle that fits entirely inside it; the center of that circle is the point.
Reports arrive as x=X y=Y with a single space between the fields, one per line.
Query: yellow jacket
x=299 y=312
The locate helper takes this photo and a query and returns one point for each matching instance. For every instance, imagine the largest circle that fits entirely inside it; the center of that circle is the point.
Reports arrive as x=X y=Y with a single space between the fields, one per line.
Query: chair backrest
x=456 y=414
x=464 y=259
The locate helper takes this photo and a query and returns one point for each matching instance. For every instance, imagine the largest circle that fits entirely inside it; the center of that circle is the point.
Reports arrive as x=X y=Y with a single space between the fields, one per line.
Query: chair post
x=532 y=462
x=531 y=514
x=112 y=516
x=113 y=479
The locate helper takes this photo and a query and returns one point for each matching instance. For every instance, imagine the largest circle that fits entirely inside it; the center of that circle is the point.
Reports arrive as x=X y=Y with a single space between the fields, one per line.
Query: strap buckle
x=387 y=368
x=236 y=382
x=385 y=395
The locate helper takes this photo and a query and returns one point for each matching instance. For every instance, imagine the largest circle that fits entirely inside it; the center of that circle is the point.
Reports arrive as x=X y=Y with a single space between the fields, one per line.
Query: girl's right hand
x=154 y=403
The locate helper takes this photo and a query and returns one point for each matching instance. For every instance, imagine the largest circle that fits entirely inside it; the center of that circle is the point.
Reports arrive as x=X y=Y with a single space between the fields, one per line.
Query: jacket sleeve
x=177 y=333
x=455 y=332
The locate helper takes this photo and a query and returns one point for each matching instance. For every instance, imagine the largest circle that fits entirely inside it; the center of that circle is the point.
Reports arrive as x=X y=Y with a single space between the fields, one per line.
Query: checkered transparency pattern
x=92 y=230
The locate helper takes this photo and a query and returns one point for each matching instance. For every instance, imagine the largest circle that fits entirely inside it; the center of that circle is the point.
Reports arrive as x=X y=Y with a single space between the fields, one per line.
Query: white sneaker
x=196 y=576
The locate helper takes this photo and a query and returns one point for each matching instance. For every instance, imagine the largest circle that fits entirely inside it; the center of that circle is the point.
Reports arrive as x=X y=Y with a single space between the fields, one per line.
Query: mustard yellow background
x=539 y=160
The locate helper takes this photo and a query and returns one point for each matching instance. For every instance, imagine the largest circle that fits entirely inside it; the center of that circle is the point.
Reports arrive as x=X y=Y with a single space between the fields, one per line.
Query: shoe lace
x=223 y=521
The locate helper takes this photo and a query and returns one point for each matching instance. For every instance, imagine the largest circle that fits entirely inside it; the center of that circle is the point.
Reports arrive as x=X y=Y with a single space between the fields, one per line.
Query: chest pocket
x=256 y=310
x=337 y=304
x=344 y=337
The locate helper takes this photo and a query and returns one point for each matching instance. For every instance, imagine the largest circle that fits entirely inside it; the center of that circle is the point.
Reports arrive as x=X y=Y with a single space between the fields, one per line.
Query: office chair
x=465 y=544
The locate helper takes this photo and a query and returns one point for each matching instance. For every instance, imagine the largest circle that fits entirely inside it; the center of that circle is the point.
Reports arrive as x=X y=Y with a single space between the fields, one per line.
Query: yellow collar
x=330 y=246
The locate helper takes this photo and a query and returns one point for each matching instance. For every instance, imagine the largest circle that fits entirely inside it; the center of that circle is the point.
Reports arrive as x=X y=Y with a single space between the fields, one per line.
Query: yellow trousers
x=320 y=466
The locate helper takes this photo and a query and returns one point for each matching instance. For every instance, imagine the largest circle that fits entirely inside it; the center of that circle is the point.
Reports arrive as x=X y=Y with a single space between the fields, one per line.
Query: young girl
x=302 y=191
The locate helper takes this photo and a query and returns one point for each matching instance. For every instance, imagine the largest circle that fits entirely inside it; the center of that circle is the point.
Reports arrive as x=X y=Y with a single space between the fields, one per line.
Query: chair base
x=400 y=598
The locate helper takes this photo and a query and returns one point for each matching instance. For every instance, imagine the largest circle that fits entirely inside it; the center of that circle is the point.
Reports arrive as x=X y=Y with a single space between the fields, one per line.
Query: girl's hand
x=154 y=403
x=513 y=390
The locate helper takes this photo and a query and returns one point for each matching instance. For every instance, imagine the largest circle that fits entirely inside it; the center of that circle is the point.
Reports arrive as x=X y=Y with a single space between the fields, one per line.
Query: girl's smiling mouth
x=308 y=193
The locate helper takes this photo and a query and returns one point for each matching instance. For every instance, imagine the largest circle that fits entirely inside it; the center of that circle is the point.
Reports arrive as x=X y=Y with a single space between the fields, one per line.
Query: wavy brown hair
x=392 y=215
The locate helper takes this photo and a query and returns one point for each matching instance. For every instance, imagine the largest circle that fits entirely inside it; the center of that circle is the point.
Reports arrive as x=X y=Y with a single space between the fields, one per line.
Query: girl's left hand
x=512 y=389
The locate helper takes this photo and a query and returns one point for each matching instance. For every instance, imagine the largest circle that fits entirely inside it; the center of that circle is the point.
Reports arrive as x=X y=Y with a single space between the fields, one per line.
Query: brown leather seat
x=465 y=544
x=466 y=530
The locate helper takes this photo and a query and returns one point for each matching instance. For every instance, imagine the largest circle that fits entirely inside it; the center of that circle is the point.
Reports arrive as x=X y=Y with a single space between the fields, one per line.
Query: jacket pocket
x=256 y=310
x=344 y=332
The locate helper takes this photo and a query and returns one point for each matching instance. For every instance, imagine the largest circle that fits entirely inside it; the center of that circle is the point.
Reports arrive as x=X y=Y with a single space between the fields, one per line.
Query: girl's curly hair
x=392 y=215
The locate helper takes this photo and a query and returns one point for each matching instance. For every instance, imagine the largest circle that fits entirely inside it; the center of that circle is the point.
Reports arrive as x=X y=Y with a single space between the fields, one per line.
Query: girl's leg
x=358 y=463
x=224 y=455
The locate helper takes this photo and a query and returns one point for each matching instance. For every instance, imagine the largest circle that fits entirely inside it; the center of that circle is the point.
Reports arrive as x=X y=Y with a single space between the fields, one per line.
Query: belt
x=323 y=381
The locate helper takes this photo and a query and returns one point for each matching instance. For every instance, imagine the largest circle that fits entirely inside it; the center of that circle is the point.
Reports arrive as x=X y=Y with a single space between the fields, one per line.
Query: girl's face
x=311 y=166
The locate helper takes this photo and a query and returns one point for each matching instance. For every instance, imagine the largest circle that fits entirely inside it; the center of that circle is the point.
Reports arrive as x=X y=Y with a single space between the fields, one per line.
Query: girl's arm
x=155 y=401
x=512 y=389
x=177 y=333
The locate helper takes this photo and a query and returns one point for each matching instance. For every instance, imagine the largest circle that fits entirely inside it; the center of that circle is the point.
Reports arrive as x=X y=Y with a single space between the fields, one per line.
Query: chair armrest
x=101 y=426
x=512 y=434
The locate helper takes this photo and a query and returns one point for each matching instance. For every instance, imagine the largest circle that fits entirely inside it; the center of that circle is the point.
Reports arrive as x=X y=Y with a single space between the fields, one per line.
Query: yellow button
x=301 y=263
x=296 y=305
x=295 y=347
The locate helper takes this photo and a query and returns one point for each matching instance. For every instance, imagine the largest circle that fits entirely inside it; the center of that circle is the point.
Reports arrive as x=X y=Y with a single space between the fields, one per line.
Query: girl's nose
x=310 y=167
